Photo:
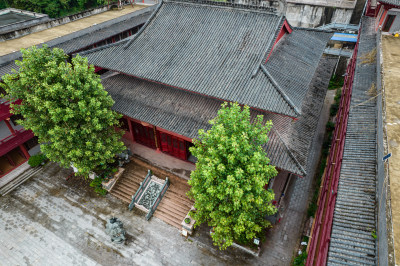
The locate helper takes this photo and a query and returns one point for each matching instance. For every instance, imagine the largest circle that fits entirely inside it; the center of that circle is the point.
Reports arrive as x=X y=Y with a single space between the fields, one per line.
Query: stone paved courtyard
x=51 y=221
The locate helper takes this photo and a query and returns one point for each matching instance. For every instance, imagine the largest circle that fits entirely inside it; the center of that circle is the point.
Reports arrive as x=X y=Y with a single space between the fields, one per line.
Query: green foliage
x=66 y=107
x=54 y=8
x=37 y=159
x=97 y=185
x=330 y=126
x=373 y=234
x=338 y=95
x=335 y=105
x=300 y=260
x=231 y=172
x=187 y=220
x=335 y=82
x=4 y=4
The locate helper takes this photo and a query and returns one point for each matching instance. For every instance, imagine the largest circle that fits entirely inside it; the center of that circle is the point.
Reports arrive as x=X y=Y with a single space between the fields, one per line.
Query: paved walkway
x=50 y=221
x=36 y=38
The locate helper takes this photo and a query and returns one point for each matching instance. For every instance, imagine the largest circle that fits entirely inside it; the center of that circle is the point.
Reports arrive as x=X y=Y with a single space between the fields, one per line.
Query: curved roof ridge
x=280 y=90
x=289 y=151
x=145 y=25
x=269 y=46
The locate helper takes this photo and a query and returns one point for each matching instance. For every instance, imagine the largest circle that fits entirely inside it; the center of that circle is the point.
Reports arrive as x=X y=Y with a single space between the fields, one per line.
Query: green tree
x=66 y=107
x=231 y=171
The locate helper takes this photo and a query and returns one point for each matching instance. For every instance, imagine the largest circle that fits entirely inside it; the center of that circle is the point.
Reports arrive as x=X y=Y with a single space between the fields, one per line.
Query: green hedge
x=37 y=159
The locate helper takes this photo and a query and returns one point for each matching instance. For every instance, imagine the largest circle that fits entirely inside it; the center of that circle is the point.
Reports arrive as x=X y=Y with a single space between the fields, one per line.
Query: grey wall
x=310 y=13
x=12 y=33
x=385 y=248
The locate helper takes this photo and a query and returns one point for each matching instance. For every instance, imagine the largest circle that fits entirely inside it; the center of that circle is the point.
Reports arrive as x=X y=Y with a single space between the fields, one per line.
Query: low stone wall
x=311 y=16
x=36 y=18
x=39 y=26
x=385 y=247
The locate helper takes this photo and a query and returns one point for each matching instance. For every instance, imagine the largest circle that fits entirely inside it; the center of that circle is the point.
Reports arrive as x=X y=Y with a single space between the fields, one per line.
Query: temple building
x=170 y=78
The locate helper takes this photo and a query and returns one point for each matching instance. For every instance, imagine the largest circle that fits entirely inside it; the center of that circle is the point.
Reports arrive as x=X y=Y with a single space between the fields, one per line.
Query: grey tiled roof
x=354 y=218
x=212 y=50
x=84 y=38
x=293 y=62
x=185 y=113
x=390 y=2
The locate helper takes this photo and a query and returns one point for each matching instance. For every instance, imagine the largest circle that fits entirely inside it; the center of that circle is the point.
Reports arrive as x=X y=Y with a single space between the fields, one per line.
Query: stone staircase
x=18 y=179
x=174 y=205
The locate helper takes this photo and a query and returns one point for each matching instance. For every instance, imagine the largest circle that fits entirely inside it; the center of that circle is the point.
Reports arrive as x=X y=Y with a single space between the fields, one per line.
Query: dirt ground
x=36 y=38
x=391 y=66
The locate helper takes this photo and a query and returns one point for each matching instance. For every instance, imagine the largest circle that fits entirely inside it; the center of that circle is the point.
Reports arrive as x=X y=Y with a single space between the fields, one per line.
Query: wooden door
x=144 y=135
x=173 y=145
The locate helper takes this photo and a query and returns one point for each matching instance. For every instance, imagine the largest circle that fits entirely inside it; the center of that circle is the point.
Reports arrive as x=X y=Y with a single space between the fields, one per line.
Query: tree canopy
x=53 y=8
x=66 y=107
x=231 y=171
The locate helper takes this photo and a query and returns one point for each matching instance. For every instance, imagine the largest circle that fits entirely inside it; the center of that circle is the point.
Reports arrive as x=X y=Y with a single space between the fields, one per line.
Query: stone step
x=122 y=196
x=13 y=184
x=175 y=210
x=128 y=185
x=183 y=202
x=167 y=219
x=125 y=190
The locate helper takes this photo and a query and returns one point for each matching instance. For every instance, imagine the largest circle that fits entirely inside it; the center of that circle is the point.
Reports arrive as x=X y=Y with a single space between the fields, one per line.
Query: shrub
x=330 y=126
x=300 y=260
x=37 y=160
x=335 y=82
x=97 y=185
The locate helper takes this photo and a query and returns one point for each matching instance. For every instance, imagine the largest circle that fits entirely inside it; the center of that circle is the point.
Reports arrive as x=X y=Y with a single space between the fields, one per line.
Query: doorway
x=173 y=145
x=144 y=134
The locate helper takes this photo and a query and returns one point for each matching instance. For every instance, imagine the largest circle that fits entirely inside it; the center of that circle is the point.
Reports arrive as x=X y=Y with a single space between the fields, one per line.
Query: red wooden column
x=22 y=147
x=156 y=139
x=130 y=127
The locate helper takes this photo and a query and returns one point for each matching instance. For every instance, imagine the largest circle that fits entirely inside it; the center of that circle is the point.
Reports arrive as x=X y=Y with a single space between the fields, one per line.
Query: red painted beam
x=13 y=141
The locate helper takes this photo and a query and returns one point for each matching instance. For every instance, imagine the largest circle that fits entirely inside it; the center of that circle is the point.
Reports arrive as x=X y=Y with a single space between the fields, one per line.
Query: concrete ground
x=36 y=38
x=51 y=221
x=391 y=67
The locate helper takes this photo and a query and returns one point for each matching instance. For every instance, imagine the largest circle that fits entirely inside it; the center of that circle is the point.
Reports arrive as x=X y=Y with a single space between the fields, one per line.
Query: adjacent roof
x=351 y=242
x=390 y=2
x=185 y=113
x=217 y=50
x=294 y=61
x=84 y=38
x=344 y=37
